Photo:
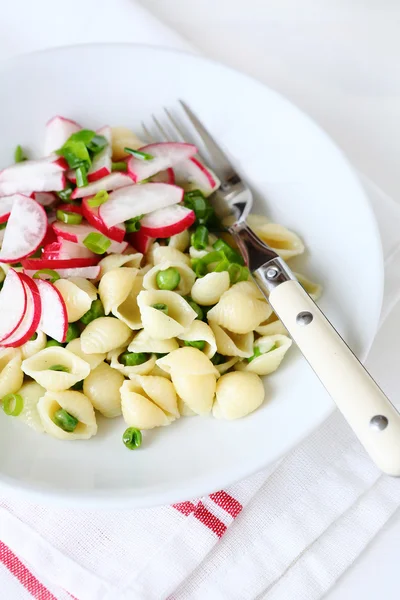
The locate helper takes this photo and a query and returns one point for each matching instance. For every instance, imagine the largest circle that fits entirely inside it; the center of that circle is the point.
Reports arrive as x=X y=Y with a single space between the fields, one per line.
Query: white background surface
x=339 y=61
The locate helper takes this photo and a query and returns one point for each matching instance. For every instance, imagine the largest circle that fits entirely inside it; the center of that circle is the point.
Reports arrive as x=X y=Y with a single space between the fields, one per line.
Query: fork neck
x=254 y=251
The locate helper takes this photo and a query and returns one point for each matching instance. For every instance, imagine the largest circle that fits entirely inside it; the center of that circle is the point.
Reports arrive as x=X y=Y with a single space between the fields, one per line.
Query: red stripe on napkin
x=209 y=520
x=227 y=502
x=24 y=576
x=186 y=508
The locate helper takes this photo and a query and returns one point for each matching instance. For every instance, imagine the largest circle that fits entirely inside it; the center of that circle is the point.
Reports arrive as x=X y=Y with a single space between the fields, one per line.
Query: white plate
x=301 y=179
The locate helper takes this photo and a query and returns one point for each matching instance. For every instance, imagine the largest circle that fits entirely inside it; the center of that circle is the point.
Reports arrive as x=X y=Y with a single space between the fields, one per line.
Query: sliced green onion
x=75 y=153
x=19 y=155
x=97 y=242
x=83 y=135
x=168 y=279
x=52 y=276
x=59 y=368
x=73 y=332
x=51 y=343
x=64 y=420
x=196 y=308
x=133 y=225
x=132 y=438
x=217 y=359
x=162 y=307
x=200 y=205
x=65 y=194
x=78 y=386
x=3 y=225
x=132 y=359
x=230 y=253
x=95 y=311
x=69 y=217
x=257 y=352
x=96 y=144
x=199 y=238
x=13 y=405
x=199 y=344
x=223 y=265
x=33 y=338
x=81 y=176
x=138 y=154
x=119 y=166
x=98 y=199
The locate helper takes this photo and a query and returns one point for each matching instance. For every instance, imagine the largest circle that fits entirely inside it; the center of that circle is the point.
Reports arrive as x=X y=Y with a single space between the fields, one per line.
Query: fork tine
x=178 y=130
x=147 y=133
x=161 y=129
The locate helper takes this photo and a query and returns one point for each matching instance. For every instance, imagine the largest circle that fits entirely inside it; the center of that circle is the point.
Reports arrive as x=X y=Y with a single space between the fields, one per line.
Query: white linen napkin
x=305 y=519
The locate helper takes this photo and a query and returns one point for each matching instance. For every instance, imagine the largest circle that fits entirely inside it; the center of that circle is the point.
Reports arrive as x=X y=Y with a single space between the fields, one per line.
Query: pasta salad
x=119 y=293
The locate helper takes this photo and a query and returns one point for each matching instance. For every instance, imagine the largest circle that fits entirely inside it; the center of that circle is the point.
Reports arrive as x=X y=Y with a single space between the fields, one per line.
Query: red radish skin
x=25 y=231
x=58 y=130
x=165 y=155
x=167 y=221
x=85 y=272
x=31 y=318
x=136 y=200
x=77 y=209
x=13 y=298
x=6 y=204
x=91 y=214
x=36 y=264
x=63 y=249
x=54 y=321
x=44 y=175
x=191 y=174
x=50 y=236
x=167 y=176
x=140 y=241
x=101 y=165
x=111 y=182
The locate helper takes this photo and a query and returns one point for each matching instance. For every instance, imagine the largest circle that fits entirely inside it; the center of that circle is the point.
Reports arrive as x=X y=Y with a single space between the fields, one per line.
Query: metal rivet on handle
x=379 y=422
x=304 y=318
x=272 y=273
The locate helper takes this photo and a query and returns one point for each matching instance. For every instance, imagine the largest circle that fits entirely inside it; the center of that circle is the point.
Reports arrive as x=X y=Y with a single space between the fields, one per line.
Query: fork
x=368 y=411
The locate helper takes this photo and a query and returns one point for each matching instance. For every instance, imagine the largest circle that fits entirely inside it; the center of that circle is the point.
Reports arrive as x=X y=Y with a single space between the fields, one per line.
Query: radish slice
x=54 y=321
x=140 y=241
x=6 y=204
x=101 y=165
x=193 y=175
x=111 y=182
x=165 y=155
x=167 y=221
x=78 y=233
x=167 y=176
x=58 y=130
x=45 y=198
x=12 y=304
x=136 y=200
x=25 y=231
x=50 y=236
x=44 y=175
x=86 y=272
x=91 y=214
x=31 y=318
x=71 y=208
x=36 y=264
x=63 y=250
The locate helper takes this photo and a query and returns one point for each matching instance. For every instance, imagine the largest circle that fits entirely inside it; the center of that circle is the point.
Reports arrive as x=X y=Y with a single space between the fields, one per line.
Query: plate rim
x=99 y=499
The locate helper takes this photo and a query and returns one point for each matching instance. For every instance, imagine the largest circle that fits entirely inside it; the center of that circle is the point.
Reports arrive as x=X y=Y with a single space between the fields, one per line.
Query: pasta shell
x=128 y=311
x=102 y=387
x=143 y=369
x=197 y=331
x=273 y=350
x=138 y=410
x=159 y=325
x=197 y=391
x=285 y=242
x=105 y=334
x=187 y=277
x=225 y=366
x=161 y=391
x=142 y=342
x=239 y=311
x=188 y=361
x=184 y=409
x=232 y=344
x=237 y=395
x=77 y=405
x=208 y=290
x=255 y=221
x=31 y=392
x=199 y=253
x=313 y=289
x=161 y=254
x=33 y=346
x=272 y=326
x=85 y=285
x=93 y=360
x=39 y=368
x=115 y=286
x=11 y=375
x=121 y=138
x=180 y=241
x=114 y=261
x=76 y=300
x=158 y=372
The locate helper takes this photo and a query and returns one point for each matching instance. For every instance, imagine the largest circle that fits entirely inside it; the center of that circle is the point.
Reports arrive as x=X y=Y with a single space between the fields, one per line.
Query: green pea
x=64 y=420
x=199 y=344
x=51 y=343
x=168 y=279
x=95 y=311
x=59 y=368
x=33 y=338
x=132 y=438
x=162 y=307
x=217 y=359
x=196 y=308
x=73 y=332
x=132 y=359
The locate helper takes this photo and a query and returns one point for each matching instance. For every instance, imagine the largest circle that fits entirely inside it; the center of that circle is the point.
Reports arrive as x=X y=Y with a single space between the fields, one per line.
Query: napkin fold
x=287 y=532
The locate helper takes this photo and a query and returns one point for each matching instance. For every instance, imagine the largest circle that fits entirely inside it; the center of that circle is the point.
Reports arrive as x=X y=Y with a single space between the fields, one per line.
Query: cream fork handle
x=368 y=411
